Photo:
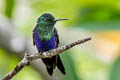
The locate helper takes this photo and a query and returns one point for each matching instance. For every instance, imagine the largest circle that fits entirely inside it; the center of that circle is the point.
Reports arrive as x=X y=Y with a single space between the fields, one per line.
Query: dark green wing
x=56 y=38
x=58 y=60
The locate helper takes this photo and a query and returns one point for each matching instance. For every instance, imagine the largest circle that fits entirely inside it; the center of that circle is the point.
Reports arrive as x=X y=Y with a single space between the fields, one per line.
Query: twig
x=29 y=57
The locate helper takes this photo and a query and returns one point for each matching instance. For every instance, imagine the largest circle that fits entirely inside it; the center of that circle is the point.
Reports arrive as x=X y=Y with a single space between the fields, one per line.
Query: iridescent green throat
x=45 y=32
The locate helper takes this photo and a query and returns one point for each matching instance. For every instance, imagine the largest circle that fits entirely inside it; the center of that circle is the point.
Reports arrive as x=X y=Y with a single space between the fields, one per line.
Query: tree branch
x=29 y=57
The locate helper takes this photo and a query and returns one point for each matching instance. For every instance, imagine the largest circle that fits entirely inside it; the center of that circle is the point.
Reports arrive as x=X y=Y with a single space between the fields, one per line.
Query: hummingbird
x=45 y=38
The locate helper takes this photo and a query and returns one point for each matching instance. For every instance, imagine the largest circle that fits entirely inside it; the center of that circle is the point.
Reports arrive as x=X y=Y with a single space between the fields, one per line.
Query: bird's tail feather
x=52 y=62
x=49 y=63
x=50 y=70
x=60 y=65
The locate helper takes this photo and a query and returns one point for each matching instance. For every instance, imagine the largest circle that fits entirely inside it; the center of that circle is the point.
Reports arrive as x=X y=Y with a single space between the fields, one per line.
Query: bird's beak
x=60 y=19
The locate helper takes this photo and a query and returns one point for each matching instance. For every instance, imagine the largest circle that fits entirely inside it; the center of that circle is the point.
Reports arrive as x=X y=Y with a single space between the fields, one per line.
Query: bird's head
x=48 y=20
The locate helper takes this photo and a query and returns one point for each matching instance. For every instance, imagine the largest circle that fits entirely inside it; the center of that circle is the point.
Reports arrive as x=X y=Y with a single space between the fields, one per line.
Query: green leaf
x=100 y=26
x=9 y=8
x=69 y=67
x=115 y=73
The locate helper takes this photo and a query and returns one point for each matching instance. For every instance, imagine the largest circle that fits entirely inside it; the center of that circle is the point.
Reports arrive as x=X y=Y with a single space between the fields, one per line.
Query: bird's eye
x=48 y=19
x=45 y=19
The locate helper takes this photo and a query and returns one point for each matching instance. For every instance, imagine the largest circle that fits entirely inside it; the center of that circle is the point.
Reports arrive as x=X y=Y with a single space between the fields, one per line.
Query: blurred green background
x=97 y=59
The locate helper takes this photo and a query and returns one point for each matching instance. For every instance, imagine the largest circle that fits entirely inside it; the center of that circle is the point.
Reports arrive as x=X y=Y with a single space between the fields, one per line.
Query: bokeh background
x=97 y=59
